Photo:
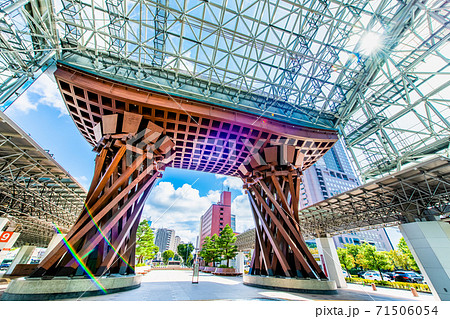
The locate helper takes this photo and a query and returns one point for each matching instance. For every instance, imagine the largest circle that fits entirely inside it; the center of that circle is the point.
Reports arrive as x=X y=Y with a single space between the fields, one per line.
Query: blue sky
x=177 y=201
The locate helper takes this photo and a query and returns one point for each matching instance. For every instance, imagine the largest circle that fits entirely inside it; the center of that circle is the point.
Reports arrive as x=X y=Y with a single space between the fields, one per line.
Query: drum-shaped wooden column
x=272 y=178
x=131 y=154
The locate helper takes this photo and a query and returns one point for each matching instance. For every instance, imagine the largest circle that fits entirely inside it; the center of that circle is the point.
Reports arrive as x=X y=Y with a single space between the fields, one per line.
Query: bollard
x=373 y=287
x=414 y=292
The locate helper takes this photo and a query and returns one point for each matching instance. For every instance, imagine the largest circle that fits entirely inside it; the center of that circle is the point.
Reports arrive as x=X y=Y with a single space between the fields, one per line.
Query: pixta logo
x=152 y=144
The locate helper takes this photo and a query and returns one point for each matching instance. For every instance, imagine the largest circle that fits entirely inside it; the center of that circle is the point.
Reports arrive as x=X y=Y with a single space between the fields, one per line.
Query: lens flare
x=80 y=261
x=106 y=239
x=371 y=42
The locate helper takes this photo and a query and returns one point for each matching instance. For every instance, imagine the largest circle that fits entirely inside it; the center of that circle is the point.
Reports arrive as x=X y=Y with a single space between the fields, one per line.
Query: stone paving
x=173 y=285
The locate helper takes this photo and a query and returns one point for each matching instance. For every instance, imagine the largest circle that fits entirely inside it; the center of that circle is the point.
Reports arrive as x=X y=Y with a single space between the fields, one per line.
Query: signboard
x=5 y=236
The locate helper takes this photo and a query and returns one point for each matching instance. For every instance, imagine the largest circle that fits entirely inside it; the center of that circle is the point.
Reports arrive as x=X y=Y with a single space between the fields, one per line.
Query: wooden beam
x=285 y=235
x=270 y=237
x=264 y=254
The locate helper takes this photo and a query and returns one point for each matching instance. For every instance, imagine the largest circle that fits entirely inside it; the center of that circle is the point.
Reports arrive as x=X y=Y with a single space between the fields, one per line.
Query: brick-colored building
x=216 y=217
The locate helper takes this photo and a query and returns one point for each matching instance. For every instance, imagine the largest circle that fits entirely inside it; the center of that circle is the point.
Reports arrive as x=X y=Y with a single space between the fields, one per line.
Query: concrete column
x=330 y=261
x=3 y=222
x=56 y=239
x=429 y=243
x=22 y=257
x=6 y=247
x=240 y=262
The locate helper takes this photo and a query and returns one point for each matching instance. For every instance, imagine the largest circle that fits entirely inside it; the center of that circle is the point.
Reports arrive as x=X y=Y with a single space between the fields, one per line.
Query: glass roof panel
x=305 y=62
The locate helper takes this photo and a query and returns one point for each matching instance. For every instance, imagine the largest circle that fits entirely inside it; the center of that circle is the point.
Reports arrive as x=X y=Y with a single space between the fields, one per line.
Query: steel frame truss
x=418 y=193
x=299 y=61
x=35 y=192
x=27 y=45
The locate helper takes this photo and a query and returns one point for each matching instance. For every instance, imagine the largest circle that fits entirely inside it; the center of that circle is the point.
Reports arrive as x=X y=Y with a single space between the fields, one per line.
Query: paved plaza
x=176 y=285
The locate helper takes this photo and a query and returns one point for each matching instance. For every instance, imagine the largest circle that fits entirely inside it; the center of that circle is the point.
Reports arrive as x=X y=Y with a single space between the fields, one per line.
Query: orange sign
x=5 y=236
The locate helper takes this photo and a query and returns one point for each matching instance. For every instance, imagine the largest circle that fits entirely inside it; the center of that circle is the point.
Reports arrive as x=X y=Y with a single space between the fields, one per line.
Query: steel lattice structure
x=420 y=192
x=298 y=61
x=35 y=192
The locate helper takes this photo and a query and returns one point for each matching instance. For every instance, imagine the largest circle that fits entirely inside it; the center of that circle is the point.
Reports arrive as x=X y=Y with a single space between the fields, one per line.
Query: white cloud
x=241 y=208
x=43 y=91
x=233 y=183
x=49 y=94
x=24 y=104
x=179 y=209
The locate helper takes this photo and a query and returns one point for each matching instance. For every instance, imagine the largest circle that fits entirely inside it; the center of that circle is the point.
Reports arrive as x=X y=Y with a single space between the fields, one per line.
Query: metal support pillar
x=429 y=243
x=329 y=257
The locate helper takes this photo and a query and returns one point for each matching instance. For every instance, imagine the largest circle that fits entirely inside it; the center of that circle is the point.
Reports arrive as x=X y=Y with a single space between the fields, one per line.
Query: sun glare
x=370 y=43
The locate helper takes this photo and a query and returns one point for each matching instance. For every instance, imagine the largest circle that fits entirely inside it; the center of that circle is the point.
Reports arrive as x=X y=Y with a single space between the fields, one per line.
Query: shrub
x=390 y=284
x=224 y=266
x=140 y=265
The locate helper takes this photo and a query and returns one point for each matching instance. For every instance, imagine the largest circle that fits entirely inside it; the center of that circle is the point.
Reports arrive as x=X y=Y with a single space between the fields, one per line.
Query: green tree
x=408 y=259
x=354 y=251
x=215 y=249
x=225 y=244
x=346 y=259
x=145 y=248
x=210 y=253
x=167 y=255
x=207 y=252
x=399 y=260
x=393 y=258
x=373 y=259
x=185 y=252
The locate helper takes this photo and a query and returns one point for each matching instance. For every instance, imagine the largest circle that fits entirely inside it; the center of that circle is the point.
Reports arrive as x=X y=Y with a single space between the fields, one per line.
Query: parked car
x=361 y=273
x=389 y=275
x=408 y=276
x=5 y=264
x=345 y=273
x=374 y=275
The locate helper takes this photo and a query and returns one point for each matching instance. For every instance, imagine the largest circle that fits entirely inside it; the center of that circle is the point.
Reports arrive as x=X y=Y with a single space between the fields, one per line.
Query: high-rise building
x=233 y=222
x=165 y=239
x=375 y=237
x=216 y=217
x=176 y=242
x=330 y=176
x=333 y=175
